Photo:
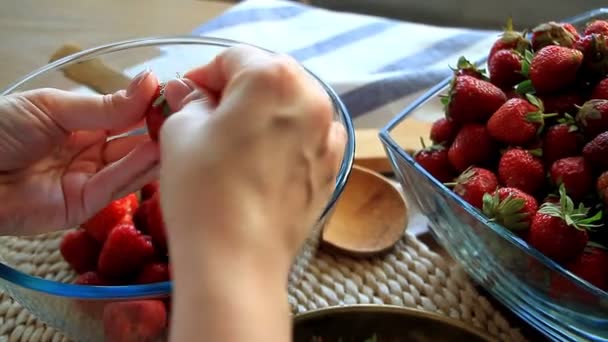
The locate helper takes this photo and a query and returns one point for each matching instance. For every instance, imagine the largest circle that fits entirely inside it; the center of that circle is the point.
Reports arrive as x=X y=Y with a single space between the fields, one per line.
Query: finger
x=216 y=74
x=117 y=178
x=74 y=111
x=118 y=148
x=180 y=92
x=336 y=143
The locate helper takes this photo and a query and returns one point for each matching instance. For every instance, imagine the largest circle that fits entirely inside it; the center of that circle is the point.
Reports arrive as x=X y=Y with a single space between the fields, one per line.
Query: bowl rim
x=386 y=138
x=402 y=311
x=24 y=280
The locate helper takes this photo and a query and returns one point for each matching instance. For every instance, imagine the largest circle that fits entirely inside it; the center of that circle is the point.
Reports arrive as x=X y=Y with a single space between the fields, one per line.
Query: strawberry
x=148 y=190
x=443 y=131
x=575 y=174
x=562 y=102
x=464 y=67
x=140 y=219
x=596 y=152
x=562 y=140
x=126 y=250
x=590 y=265
x=520 y=169
x=552 y=33
x=153 y=272
x=559 y=230
x=510 y=207
x=156 y=224
x=595 y=51
x=601 y=90
x=505 y=68
x=509 y=40
x=139 y=320
x=80 y=250
x=592 y=117
x=473 y=183
x=472 y=146
x=434 y=159
x=471 y=100
x=601 y=184
x=91 y=278
x=100 y=225
x=158 y=112
x=518 y=121
x=598 y=27
x=554 y=67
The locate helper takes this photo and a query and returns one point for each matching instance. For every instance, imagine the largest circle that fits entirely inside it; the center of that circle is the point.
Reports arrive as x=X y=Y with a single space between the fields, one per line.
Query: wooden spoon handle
x=92 y=73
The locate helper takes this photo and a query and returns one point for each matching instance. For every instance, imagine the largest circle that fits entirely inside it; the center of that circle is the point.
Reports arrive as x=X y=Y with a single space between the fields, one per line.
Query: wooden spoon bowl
x=369 y=218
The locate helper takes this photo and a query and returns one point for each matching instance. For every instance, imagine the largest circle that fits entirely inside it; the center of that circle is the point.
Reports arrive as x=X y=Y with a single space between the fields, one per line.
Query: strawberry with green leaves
x=510 y=207
x=592 y=118
x=471 y=100
x=594 y=48
x=505 y=68
x=473 y=183
x=553 y=33
x=465 y=68
x=510 y=39
x=521 y=169
x=518 y=121
x=562 y=140
x=472 y=146
x=575 y=174
x=434 y=159
x=560 y=230
x=554 y=68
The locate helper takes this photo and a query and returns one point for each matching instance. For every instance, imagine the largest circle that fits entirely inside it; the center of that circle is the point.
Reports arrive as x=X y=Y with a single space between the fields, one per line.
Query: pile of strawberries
x=527 y=144
x=123 y=244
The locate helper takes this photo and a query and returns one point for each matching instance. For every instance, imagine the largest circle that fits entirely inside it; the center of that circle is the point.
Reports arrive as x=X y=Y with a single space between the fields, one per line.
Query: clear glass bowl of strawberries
x=515 y=176
x=109 y=278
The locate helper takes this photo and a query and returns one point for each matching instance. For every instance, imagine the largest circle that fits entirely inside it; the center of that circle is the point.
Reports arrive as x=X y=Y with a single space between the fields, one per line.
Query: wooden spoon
x=369 y=218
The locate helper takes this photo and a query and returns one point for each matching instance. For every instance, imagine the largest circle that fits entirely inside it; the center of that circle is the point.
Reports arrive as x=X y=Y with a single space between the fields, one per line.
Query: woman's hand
x=249 y=162
x=56 y=167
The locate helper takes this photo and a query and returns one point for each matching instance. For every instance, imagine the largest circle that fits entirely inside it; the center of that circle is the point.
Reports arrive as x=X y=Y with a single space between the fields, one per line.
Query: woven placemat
x=411 y=275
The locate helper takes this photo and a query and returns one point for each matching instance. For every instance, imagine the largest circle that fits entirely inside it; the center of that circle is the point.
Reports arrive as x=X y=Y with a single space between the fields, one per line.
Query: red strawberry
x=601 y=90
x=595 y=51
x=100 y=225
x=472 y=100
x=591 y=265
x=510 y=207
x=596 y=152
x=472 y=146
x=435 y=160
x=473 y=183
x=592 y=117
x=562 y=102
x=509 y=40
x=554 y=67
x=158 y=112
x=140 y=219
x=148 y=190
x=156 y=223
x=91 y=278
x=559 y=230
x=562 y=140
x=126 y=250
x=443 y=131
x=467 y=68
x=140 y=320
x=602 y=182
x=553 y=33
x=518 y=121
x=520 y=169
x=505 y=68
x=154 y=272
x=512 y=93
x=575 y=174
x=80 y=250
x=598 y=27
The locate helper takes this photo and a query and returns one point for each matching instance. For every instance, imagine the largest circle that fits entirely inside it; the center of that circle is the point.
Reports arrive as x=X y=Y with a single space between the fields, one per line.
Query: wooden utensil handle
x=92 y=73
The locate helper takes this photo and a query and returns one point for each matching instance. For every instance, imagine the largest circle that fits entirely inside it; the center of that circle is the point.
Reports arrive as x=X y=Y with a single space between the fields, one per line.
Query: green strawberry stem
x=574 y=217
x=537 y=152
x=525 y=87
x=450 y=184
x=422 y=143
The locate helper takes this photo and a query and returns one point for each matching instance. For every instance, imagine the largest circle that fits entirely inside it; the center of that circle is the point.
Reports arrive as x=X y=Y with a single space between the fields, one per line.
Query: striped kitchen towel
x=376 y=65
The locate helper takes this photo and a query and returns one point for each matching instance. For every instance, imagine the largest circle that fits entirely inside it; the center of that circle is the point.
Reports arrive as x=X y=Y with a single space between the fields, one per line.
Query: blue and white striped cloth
x=376 y=65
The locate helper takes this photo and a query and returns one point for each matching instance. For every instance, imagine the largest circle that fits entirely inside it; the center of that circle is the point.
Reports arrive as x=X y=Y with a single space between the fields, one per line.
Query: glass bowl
x=505 y=265
x=32 y=269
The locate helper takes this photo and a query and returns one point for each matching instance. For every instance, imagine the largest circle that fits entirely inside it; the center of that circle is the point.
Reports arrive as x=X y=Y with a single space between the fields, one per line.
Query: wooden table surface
x=31 y=30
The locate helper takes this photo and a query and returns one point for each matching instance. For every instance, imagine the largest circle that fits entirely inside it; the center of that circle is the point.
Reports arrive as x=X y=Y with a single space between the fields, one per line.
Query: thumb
x=113 y=112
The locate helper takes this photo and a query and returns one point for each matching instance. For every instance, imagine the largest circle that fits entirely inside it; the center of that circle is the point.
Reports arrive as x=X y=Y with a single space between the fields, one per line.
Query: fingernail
x=137 y=81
